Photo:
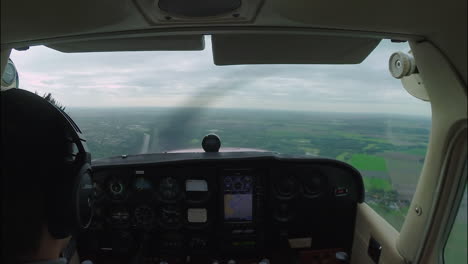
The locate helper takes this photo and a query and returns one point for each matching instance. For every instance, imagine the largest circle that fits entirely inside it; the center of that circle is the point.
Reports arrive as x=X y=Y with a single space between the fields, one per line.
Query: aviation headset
x=69 y=189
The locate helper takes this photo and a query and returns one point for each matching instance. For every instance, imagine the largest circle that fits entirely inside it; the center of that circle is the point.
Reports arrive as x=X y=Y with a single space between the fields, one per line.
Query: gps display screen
x=238 y=198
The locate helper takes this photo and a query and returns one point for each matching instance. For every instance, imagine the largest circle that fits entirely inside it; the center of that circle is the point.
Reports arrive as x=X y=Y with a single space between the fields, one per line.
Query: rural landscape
x=388 y=150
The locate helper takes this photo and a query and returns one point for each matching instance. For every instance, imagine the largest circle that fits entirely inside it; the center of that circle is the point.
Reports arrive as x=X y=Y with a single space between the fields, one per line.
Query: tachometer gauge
x=169 y=188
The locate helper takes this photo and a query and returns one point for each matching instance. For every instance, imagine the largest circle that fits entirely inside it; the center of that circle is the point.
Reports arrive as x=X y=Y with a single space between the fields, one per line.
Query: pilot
x=33 y=147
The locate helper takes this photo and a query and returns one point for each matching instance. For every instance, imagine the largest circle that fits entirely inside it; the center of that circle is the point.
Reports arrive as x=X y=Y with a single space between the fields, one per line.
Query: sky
x=190 y=78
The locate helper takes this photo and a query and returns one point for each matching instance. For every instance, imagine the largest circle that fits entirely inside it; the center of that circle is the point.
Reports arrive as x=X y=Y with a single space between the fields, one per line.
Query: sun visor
x=189 y=42
x=231 y=49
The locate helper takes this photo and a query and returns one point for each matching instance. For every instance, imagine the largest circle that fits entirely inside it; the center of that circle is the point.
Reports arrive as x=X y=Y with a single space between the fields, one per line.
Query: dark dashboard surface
x=219 y=205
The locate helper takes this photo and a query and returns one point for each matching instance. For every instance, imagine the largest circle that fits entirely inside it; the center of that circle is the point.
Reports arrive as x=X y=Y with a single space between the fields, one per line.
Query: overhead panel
x=161 y=12
x=200 y=8
x=183 y=42
x=231 y=49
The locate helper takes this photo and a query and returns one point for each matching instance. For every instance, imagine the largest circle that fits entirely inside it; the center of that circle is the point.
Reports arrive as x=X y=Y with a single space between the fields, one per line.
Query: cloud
x=189 y=78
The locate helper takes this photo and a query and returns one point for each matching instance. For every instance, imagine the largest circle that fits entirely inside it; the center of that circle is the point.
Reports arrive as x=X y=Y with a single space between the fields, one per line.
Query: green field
x=371 y=183
x=417 y=151
x=368 y=162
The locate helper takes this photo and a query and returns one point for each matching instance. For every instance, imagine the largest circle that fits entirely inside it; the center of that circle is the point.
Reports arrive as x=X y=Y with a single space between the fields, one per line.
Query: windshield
x=146 y=102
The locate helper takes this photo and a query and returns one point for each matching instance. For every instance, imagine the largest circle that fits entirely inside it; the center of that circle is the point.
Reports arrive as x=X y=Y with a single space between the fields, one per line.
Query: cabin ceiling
x=444 y=23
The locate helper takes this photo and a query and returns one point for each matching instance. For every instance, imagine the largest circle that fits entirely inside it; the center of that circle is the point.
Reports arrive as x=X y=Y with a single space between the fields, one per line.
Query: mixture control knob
x=264 y=261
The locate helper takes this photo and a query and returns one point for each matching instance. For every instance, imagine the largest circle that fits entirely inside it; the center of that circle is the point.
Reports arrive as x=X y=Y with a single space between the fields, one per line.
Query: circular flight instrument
x=169 y=188
x=144 y=216
x=116 y=189
x=286 y=186
x=170 y=217
x=313 y=185
x=119 y=216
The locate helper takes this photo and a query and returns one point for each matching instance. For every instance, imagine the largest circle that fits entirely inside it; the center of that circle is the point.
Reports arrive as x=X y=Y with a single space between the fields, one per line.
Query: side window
x=455 y=250
x=389 y=150
x=391 y=166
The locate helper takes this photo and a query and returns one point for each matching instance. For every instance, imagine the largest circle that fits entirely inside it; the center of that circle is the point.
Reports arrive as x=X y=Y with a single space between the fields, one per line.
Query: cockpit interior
x=220 y=205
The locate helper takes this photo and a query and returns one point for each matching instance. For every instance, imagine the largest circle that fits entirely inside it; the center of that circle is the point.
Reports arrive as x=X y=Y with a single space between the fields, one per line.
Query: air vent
x=200 y=8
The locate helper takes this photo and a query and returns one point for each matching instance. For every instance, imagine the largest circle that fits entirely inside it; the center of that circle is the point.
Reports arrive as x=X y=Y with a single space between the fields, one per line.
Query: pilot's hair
x=33 y=149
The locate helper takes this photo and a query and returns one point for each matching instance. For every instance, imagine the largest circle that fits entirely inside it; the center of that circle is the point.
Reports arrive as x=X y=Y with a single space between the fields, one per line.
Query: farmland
x=388 y=150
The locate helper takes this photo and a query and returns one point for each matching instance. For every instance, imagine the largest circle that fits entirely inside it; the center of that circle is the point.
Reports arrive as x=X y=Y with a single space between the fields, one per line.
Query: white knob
x=401 y=64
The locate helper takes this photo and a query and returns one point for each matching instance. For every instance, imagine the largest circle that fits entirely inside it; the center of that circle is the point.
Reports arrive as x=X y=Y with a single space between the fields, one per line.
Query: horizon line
x=243 y=109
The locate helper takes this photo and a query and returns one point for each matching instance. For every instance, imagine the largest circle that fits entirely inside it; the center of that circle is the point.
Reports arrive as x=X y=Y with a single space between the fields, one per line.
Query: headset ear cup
x=71 y=200
x=59 y=209
x=83 y=198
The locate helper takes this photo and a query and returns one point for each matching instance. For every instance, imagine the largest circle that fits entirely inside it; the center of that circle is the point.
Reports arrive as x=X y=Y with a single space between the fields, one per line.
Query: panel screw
x=418 y=210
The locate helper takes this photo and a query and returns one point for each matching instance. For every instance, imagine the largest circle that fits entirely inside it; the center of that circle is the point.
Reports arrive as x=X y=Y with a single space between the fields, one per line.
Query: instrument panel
x=220 y=206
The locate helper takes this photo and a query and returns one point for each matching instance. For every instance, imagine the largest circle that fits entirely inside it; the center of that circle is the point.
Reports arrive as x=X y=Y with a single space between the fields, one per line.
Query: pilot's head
x=36 y=178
